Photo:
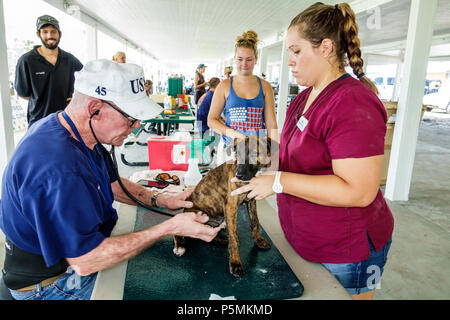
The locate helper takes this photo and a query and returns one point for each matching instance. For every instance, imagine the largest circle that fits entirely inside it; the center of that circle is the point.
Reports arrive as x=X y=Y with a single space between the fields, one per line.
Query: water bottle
x=193 y=175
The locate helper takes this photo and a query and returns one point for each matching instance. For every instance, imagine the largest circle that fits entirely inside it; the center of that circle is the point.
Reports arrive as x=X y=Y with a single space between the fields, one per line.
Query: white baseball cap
x=121 y=83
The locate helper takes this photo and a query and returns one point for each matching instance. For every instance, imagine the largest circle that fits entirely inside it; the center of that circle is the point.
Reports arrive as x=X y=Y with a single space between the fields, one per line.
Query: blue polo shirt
x=203 y=110
x=51 y=202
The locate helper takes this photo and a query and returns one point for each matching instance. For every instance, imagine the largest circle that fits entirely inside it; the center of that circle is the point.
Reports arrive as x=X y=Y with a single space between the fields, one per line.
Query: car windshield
x=379 y=80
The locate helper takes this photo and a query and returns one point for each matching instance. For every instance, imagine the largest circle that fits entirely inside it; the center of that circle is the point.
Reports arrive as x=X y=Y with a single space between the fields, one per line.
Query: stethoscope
x=104 y=182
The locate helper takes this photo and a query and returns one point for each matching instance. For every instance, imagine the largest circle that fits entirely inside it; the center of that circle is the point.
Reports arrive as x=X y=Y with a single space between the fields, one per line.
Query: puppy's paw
x=262 y=243
x=236 y=269
x=179 y=251
x=220 y=240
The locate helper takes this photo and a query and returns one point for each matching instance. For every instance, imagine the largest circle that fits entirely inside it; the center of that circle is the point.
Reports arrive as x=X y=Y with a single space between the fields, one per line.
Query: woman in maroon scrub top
x=331 y=151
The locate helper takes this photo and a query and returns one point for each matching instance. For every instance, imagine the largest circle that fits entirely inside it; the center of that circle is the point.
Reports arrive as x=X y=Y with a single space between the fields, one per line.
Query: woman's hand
x=174 y=202
x=259 y=187
x=234 y=134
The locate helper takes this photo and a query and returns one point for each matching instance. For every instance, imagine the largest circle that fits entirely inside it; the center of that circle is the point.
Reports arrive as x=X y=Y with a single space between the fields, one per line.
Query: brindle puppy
x=212 y=196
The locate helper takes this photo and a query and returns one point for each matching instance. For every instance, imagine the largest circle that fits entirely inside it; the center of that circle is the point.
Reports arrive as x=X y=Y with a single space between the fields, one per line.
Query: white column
x=263 y=61
x=6 y=127
x=92 y=42
x=284 y=87
x=418 y=42
x=365 y=58
x=398 y=79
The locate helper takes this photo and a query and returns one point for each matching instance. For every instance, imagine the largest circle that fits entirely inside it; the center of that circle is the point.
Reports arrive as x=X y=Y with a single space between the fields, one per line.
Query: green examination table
x=157 y=273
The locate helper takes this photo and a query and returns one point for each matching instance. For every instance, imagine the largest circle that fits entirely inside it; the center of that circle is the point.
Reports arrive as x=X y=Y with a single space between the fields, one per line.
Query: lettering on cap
x=101 y=91
x=138 y=85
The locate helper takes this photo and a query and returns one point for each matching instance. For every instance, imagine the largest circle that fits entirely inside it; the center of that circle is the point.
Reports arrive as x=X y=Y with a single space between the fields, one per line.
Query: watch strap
x=277 y=187
x=153 y=200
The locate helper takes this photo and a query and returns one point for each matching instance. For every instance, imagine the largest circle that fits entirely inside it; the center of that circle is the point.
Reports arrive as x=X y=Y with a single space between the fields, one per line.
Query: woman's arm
x=269 y=112
x=214 y=116
x=355 y=183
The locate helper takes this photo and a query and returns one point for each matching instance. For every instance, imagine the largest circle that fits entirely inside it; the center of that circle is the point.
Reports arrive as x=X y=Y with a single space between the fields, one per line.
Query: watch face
x=277 y=188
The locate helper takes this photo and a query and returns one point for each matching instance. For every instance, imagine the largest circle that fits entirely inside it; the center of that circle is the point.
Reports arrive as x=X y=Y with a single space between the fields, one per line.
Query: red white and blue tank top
x=245 y=115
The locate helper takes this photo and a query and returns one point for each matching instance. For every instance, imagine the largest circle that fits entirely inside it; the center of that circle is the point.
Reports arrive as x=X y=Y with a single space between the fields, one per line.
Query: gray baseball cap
x=46 y=20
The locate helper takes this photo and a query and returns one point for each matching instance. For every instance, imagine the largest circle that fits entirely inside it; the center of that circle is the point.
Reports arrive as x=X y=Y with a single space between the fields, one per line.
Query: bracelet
x=153 y=200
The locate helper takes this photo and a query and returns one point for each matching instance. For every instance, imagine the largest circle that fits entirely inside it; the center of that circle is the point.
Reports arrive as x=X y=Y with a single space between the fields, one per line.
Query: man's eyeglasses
x=129 y=118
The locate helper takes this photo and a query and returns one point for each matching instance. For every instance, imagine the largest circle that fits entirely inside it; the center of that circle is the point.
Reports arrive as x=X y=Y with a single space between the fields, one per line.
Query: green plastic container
x=175 y=87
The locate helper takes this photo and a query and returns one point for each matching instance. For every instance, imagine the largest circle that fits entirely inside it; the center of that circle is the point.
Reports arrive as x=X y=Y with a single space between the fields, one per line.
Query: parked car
x=432 y=86
x=384 y=84
x=440 y=99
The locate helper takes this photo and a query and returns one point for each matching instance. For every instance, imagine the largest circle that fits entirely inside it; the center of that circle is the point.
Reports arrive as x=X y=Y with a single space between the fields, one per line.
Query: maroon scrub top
x=346 y=120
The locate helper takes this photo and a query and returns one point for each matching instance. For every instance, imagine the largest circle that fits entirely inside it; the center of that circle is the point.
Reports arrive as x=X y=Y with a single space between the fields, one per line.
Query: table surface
x=317 y=281
x=175 y=118
x=266 y=273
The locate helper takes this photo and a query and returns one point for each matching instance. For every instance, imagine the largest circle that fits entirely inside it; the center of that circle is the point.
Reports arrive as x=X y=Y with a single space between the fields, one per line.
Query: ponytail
x=338 y=23
x=350 y=32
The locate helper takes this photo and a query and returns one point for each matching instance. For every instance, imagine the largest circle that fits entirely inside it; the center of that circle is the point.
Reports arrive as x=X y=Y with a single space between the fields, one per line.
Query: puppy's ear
x=229 y=149
x=269 y=143
x=273 y=148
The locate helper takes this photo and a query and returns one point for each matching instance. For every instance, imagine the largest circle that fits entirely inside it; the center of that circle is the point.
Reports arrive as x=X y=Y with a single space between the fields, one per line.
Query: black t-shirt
x=47 y=86
x=201 y=80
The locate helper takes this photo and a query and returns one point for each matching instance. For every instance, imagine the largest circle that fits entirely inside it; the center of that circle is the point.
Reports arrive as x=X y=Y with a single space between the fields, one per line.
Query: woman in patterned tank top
x=246 y=100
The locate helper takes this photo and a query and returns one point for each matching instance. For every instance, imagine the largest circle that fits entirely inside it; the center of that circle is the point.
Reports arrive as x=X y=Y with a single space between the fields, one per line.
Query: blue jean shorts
x=364 y=276
x=70 y=286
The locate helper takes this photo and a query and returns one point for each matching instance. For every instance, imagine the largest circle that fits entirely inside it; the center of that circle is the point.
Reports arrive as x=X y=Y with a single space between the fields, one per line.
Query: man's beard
x=51 y=47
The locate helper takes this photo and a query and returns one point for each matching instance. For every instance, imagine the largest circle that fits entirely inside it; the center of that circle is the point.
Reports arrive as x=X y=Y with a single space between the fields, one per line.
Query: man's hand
x=174 y=202
x=190 y=224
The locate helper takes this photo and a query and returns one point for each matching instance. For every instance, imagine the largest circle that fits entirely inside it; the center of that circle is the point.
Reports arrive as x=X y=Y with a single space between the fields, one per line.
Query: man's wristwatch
x=154 y=195
x=277 y=187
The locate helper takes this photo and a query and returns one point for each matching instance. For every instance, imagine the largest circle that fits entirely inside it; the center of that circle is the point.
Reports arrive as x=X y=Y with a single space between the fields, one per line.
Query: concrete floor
x=420 y=253
x=419 y=258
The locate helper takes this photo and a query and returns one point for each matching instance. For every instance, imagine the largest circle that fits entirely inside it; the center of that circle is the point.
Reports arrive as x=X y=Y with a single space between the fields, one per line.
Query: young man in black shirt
x=45 y=75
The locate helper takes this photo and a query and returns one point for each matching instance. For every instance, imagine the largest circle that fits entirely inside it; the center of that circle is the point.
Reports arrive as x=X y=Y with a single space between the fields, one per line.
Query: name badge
x=302 y=123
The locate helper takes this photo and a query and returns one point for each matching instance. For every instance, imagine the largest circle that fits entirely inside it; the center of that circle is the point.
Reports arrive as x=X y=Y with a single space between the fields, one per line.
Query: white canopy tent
x=204 y=31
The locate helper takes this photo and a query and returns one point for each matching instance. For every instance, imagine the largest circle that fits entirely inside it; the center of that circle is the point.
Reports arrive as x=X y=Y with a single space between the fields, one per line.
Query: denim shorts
x=70 y=286
x=364 y=276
